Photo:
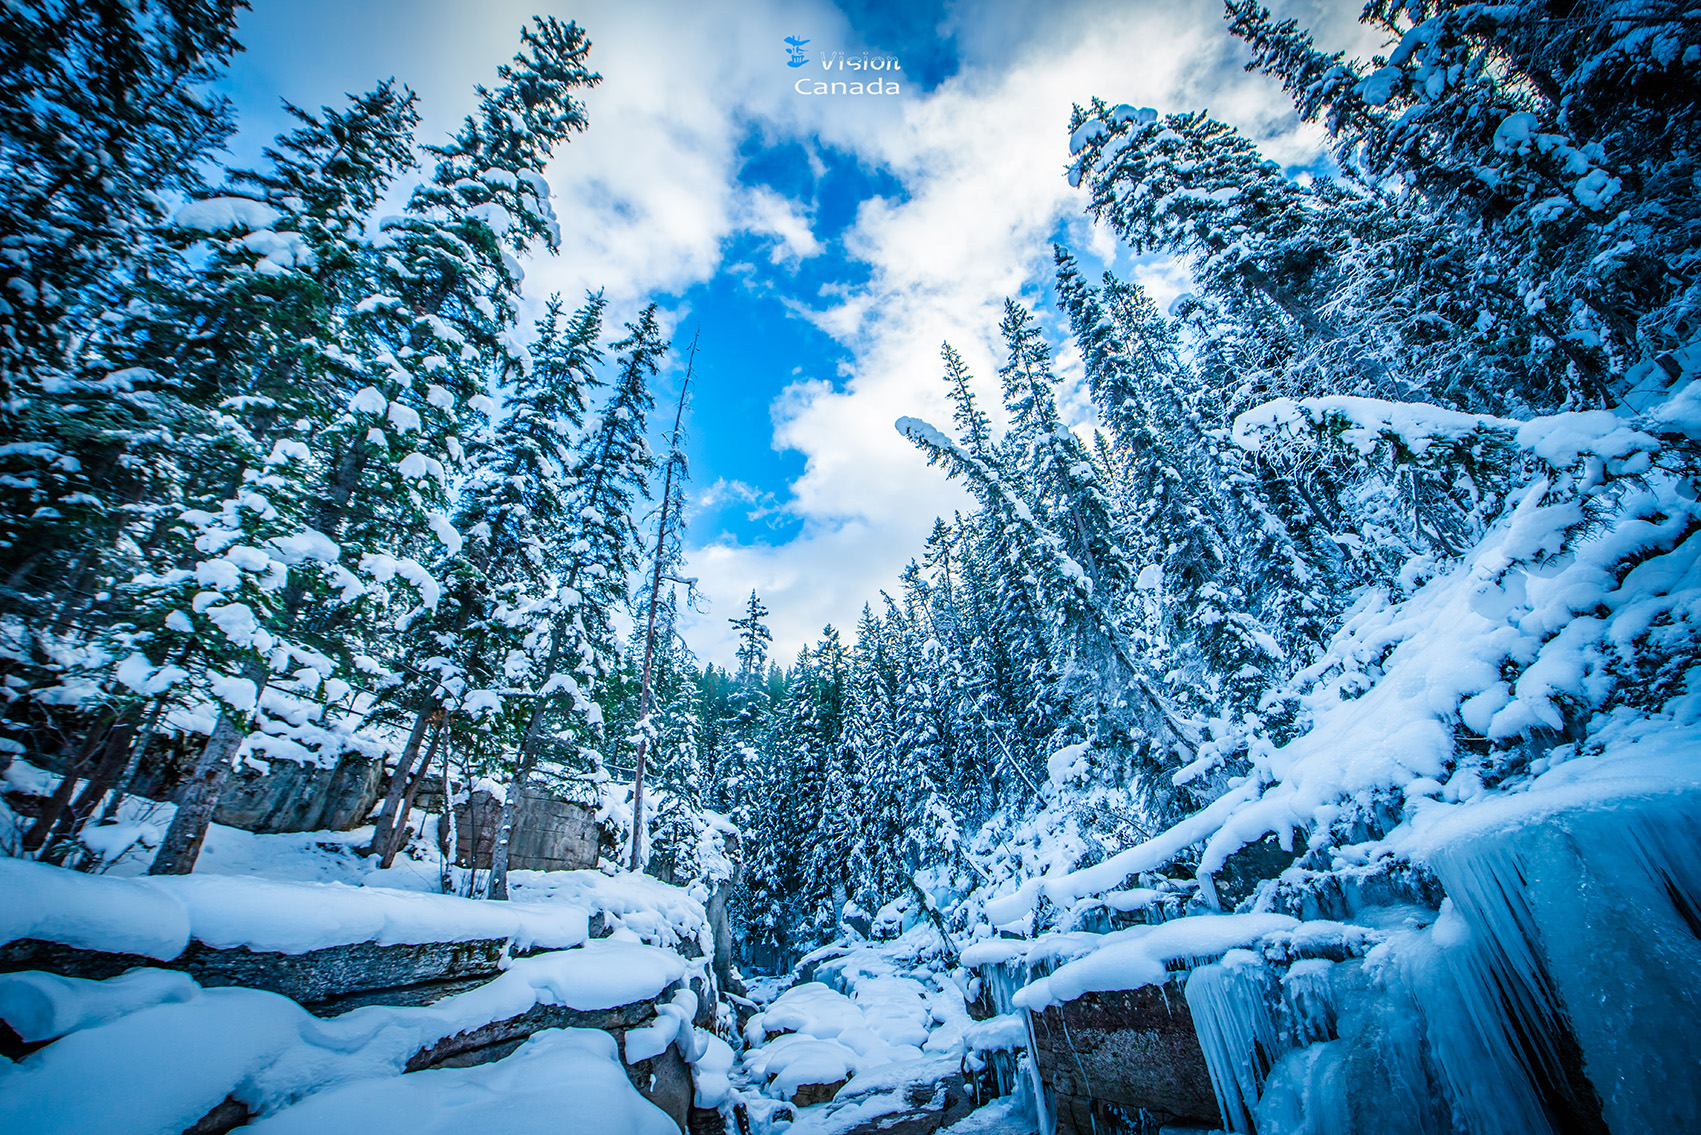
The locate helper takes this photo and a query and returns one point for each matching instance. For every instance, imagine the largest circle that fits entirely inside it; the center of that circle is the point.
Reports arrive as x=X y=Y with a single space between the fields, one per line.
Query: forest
x=1316 y=731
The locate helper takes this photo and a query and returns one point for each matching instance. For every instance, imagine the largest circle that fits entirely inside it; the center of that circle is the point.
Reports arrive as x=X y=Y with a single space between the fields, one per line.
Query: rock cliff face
x=290 y=796
x=1133 y=1050
x=263 y=796
x=548 y=835
x=325 y=982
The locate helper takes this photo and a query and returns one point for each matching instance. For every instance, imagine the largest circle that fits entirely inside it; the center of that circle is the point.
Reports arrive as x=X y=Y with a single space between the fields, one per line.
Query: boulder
x=1241 y=873
x=705 y=1121
x=665 y=1081
x=1129 y=1050
x=808 y=1095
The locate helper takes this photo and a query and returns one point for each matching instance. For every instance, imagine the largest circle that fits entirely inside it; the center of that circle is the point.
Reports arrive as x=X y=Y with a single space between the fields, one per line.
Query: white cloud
x=981 y=160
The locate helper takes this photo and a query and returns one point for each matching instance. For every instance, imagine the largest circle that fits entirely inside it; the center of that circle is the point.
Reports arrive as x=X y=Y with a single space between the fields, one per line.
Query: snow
x=557 y=1073
x=1515 y=132
x=240 y=694
x=1442 y=657
x=221 y=214
x=1380 y=86
x=1083 y=135
x=304 y=545
x=1558 y=439
x=42 y=1006
x=384 y=568
x=165 y=1065
x=279 y=252
x=445 y=532
x=1596 y=189
x=1005 y=1032
x=603 y=974
x=881 y=1015
x=1138 y=956
x=157 y=917
x=369 y=400
x=810 y=1008
x=404 y=418
x=95 y=912
x=640 y=905
x=218 y=573
x=712 y=1073
x=797 y=1059
x=671 y=1026
x=1068 y=764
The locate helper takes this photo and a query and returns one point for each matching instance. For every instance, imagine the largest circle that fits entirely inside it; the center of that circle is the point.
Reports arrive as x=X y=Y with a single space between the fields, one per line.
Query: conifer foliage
x=288 y=479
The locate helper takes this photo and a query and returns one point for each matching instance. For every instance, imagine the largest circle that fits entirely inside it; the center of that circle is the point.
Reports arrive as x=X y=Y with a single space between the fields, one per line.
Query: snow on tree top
x=223 y=214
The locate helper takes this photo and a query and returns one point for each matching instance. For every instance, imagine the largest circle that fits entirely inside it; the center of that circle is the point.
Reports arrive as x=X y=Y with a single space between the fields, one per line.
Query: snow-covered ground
x=887 y=1019
x=153 y=1051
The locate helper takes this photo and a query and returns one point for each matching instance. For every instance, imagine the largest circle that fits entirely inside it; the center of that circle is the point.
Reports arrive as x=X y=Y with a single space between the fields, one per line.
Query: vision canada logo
x=836 y=64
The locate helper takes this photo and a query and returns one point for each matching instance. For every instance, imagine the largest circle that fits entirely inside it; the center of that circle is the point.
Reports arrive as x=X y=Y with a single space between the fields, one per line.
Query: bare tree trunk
x=70 y=824
x=446 y=829
x=198 y=799
x=399 y=781
x=399 y=829
x=505 y=833
x=650 y=633
x=37 y=834
x=638 y=786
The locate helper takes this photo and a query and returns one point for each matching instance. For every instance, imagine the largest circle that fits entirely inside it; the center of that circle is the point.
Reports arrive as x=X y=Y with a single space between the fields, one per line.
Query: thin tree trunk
x=77 y=579
x=198 y=800
x=37 y=834
x=399 y=829
x=70 y=824
x=650 y=632
x=138 y=751
x=505 y=830
x=446 y=829
x=399 y=781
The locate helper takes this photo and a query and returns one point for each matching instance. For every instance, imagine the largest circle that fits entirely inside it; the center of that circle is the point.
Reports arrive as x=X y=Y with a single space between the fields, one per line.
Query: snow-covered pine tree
x=1044 y=593
x=444 y=300
x=488 y=638
x=1561 y=143
x=245 y=335
x=674 y=758
x=1182 y=522
x=747 y=707
x=600 y=549
x=1190 y=185
x=105 y=111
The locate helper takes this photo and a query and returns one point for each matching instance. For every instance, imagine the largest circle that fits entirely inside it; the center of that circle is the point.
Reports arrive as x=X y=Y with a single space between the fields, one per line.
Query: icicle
x=1233 y=1003
x=1574 y=940
x=1045 y=1120
x=1309 y=994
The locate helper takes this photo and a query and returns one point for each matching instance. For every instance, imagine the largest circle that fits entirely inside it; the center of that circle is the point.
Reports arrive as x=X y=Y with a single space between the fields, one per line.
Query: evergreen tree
x=448 y=276
x=105 y=111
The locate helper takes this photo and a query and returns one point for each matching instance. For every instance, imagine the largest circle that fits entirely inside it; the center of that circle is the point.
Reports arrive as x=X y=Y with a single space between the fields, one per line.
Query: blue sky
x=825 y=245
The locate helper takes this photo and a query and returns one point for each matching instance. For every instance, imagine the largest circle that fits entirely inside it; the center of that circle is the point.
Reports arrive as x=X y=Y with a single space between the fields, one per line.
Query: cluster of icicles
x=1557 y=991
